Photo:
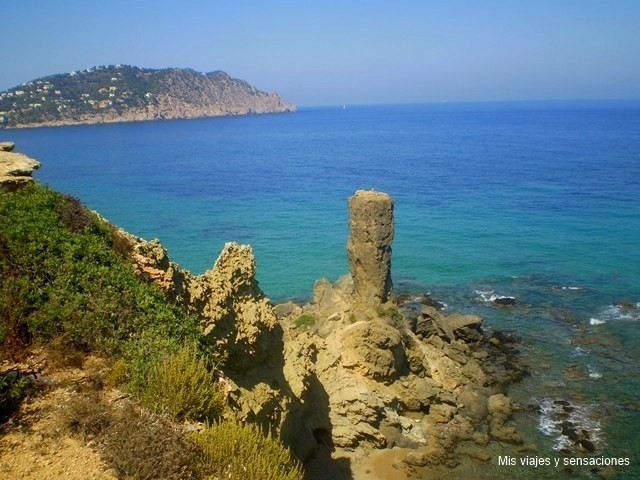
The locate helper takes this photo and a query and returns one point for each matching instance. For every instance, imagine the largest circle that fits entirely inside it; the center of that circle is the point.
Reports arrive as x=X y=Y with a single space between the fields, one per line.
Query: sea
x=539 y=201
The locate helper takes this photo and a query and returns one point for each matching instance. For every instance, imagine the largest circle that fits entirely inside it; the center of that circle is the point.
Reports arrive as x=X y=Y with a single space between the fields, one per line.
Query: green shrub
x=235 y=451
x=182 y=385
x=391 y=313
x=60 y=278
x=117 y=374
x=305 y=320
x=13 y=387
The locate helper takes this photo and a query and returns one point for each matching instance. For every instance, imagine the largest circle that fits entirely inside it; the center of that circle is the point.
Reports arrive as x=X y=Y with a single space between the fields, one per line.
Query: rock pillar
x=369 y=245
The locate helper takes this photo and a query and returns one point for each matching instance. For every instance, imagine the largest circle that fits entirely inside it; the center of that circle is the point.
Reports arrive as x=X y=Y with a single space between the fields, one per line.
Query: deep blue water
x=520 y=199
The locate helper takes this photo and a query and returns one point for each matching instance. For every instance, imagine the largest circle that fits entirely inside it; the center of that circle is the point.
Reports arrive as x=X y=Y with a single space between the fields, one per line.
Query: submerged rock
x=504 y=301
x=369 y=245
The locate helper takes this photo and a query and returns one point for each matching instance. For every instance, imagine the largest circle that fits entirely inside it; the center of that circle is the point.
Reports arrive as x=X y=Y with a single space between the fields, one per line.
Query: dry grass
x=145 y=447
x=87 y=415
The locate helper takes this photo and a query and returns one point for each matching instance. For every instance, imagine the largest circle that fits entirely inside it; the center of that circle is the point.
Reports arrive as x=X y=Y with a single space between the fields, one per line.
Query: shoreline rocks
x=394 y=375
x=348 y=370
x=16 y=169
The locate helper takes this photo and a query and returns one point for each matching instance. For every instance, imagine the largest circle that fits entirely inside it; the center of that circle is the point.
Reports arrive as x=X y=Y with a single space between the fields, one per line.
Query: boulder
x=15 y=169
x=373 y=349
x=475 y=404
x=7 y=146
x=288 y=309
x=369 y=245
x=416 y=459
x=504 y=301
x=467 y=327
x=458 y=321
x=441 y=413
x=499 y=408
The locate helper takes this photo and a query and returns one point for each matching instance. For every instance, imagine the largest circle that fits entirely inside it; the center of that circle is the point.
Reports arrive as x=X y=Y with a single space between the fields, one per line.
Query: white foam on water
x=621 y=312
x=488 y=296
x=579 y=351
x=553 y=414
x=593 y=373
x=569 y=287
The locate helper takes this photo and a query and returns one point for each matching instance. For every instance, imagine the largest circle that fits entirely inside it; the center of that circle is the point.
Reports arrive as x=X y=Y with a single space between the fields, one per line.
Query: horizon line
x=444 y=102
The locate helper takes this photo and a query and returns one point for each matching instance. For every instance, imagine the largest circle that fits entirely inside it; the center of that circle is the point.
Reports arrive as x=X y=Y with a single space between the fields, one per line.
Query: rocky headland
x=359 y=379
x=124 y=93
x=356 y=369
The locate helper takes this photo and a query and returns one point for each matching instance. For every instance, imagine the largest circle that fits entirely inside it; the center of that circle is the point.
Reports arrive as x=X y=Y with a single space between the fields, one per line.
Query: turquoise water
x=536 y=200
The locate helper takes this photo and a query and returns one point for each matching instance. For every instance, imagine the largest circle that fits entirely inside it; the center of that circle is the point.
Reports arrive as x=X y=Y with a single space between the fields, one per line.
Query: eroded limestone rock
x=350 y=379
x=369 y=245
x=234 y=313
x=15 y=168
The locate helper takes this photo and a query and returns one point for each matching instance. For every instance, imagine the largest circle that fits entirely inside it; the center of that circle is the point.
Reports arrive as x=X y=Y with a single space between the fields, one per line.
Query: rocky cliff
x=124 y=93
x=355 y=370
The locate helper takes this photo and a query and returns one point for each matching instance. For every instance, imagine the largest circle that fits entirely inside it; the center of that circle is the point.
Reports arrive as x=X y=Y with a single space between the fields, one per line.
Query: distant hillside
x=124 y=93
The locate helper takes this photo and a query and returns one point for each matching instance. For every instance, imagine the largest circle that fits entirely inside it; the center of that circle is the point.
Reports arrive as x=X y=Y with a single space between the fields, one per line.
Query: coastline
x=145 y=118
x=553 y=310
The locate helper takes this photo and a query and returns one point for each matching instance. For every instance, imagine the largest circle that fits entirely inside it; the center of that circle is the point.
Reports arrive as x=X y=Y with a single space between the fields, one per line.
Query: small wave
x=593 y=373
x=627 y=311
x=579 y=352
x=596 y=321
x=489 y=296
x=562 y=419
x=570 y=287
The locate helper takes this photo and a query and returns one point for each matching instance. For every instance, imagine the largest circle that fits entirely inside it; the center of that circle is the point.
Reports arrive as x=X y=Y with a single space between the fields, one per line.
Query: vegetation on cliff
x=68 y=285
x=124 y=93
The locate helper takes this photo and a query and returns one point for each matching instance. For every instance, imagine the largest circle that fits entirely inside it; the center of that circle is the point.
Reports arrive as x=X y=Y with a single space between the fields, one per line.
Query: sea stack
x=369 y=245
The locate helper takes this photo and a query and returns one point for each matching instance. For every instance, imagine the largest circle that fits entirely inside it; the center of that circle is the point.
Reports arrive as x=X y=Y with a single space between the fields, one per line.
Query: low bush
x=13 y=387
x=60 y=278
x=86 y=415
x=391 y=313
x=136 y=445
x=305 y=320
x=146 y=447
x=183 y=386
x=116 y=376
x=231 y=450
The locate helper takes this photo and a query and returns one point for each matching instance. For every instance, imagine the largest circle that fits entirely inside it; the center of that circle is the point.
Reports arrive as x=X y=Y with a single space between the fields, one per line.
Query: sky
x=344 y=52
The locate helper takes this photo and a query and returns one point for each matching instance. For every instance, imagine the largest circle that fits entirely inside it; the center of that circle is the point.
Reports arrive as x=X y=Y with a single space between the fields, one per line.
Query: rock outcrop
x=354 y=368
x=15 y=168
x=394 y=373
x=234 y=313
x=369 y=245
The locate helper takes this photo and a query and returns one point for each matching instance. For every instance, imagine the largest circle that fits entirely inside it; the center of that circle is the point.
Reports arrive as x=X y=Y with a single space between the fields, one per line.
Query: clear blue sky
x=349 y=51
